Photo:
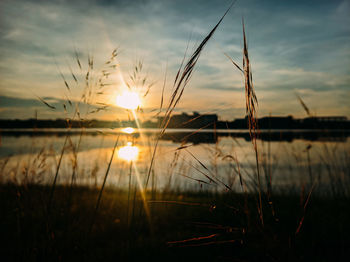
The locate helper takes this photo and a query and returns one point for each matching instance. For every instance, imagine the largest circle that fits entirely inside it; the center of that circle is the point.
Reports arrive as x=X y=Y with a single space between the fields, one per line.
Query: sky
x=295 y=47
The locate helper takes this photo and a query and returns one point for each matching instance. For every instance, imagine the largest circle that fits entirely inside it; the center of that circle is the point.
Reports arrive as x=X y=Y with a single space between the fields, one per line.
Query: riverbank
x=174 y=226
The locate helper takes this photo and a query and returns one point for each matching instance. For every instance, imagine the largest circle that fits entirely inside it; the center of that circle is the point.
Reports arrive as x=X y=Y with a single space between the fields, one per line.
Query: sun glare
x=128 y=130
x=128 y=152
x=128 y=100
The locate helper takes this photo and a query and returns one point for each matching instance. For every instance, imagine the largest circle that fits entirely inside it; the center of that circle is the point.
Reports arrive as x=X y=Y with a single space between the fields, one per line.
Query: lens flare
x=128 y=152
x=128 y=100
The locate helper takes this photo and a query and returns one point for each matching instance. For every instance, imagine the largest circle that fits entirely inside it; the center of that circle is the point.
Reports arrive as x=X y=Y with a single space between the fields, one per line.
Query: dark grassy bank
x=229 y=224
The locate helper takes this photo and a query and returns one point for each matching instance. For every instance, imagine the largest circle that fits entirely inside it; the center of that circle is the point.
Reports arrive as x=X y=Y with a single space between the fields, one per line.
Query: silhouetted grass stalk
x=103 y=185
x=52 y=191
x=251 y=103
x=129 y=192
x=182 y=78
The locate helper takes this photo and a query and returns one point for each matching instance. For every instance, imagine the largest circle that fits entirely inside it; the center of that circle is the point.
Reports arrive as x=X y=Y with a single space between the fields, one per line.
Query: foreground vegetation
x=180 y=226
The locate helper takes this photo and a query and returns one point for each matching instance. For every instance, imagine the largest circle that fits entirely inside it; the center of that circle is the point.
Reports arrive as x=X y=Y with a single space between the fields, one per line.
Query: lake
x=195 y=160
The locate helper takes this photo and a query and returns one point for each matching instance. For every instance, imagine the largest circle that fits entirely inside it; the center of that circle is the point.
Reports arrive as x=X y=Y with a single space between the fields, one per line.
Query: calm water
x=290 y=160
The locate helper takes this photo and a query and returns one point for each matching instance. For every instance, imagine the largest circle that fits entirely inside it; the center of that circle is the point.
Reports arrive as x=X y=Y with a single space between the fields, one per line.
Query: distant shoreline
x=185 y=121
x=194 y=136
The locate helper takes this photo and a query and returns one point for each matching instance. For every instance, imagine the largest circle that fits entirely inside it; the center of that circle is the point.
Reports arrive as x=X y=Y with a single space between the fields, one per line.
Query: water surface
x=184 y=159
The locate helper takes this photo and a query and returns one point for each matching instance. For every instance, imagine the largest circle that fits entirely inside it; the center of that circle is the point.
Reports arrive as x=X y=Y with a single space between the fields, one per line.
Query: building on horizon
x=195 y=120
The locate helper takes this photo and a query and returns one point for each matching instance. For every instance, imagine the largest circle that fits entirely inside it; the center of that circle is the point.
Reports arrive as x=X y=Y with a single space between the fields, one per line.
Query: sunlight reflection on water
x=34 y=159
x=128 y=152
x=128 y=130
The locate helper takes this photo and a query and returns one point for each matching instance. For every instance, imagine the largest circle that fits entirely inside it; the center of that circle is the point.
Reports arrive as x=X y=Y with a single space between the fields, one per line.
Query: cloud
x=294 y=45
x=14 y=107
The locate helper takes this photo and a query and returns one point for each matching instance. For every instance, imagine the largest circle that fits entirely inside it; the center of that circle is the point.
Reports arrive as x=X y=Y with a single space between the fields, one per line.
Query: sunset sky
x=296 y=47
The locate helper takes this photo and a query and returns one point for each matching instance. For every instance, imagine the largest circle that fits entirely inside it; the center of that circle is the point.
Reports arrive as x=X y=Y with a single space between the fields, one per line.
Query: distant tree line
x=185 y=121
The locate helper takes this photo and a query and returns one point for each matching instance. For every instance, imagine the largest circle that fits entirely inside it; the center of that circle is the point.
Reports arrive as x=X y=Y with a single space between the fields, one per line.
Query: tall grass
x=251 y=103
x=182 y=78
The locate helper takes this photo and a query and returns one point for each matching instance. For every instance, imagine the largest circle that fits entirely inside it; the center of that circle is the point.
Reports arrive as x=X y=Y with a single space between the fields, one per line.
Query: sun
x=128 y=100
